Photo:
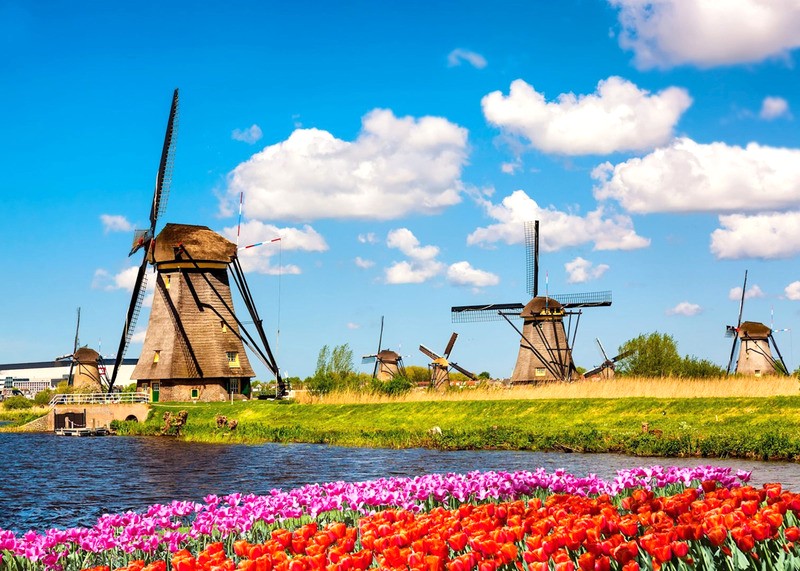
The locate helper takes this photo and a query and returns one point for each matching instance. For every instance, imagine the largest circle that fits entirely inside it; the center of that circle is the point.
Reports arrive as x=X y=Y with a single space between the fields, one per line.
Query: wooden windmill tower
x=388 y=363
x=440 y=365
x=85 y=365
x=545 y=346
x=753 y=340
x=194 y=347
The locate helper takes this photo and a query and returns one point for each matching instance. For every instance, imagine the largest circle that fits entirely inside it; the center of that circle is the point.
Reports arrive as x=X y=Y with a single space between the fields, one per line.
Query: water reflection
x=51 y=481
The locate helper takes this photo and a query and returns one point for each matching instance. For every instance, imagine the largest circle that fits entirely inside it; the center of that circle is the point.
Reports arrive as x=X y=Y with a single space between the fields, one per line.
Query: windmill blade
x=77 y=328
x=730 y=359
x=602 y=350
x=490 y=312
x=463 y=371
x=428 y=352
x=588 y=299
x=450 y=344
x=165 y=166
x=730 y=331
x=622 y=356
x=368 y=359
x=134 y=307
x=532 y=257
x=380 y=341
x=594 y=371
x=741 y=303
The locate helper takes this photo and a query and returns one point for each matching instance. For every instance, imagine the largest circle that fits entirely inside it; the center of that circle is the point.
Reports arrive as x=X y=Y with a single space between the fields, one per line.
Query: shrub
x=43 y=398
x=17 y=403
x=395 y=386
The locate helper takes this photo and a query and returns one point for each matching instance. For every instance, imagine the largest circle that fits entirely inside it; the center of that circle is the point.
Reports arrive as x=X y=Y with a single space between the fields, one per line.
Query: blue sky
x=397 y=149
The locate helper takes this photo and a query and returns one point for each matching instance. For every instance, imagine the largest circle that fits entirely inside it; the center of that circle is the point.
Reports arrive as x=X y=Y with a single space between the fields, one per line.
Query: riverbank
x=760 y=428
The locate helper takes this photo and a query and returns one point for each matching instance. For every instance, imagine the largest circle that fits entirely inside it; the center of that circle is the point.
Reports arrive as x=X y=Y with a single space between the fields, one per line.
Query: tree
x=654 y=355
x=335 y=371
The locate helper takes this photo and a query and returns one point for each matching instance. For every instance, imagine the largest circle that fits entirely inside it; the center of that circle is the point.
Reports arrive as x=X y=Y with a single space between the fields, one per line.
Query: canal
x=50 y=481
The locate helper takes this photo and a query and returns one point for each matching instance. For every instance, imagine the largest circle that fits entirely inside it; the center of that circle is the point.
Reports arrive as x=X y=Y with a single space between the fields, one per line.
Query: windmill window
x=156 y=356
x=195 y=393
x=233 y=386
x=224 y=327
x=233 y=358
x=540 y=372
x=166 y=281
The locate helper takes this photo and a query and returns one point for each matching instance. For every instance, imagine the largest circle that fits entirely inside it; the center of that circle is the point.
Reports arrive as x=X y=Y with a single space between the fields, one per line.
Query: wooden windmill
x=440 y=365
x=194 y=347
x=545 y=346
x=753 y=340
x=606 y=369
x=388 y=363
x=85 y=364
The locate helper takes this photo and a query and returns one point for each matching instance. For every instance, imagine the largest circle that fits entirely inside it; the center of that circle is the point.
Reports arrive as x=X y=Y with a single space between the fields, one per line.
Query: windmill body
x=544 y=351
x=546 y=337
x=440 y=365
x=86 y=370
x=193 y=348
x=755 y=355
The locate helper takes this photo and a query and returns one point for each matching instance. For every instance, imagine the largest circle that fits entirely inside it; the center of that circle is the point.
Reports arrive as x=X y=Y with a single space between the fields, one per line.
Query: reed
x=622 y=387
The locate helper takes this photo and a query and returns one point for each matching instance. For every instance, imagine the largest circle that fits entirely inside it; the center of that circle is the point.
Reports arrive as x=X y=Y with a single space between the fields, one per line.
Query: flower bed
x=645 y=518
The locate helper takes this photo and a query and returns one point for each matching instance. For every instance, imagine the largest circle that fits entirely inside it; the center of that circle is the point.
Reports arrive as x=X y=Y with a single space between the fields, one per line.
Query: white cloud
x=395 y=167
x=115 y=223
x=792 y=291
x=768 y=235
x=368 y=238
x=138 y=336
x=125 y=279
x=250 y=135
x=363 y=264
x=752 y=292
x=511 y=167
x=463 y=274
x=691 y=177
x=773 y=108
x=617 y=117
x=260 y=258
x=685 y=308
x=458 y=56
x=422 y=265
x=558 y=229
x=666 y=33
x=581 y=270
x=352 y=326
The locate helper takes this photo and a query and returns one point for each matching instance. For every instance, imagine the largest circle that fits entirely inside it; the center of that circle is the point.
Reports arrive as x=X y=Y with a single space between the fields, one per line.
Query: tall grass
x=621 y=387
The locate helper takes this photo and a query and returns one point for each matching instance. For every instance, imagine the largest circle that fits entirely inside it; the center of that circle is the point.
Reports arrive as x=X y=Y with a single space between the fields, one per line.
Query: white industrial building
x=31 y=378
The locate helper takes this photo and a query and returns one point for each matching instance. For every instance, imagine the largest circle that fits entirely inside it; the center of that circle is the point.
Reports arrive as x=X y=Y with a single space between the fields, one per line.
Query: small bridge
x=94 y=410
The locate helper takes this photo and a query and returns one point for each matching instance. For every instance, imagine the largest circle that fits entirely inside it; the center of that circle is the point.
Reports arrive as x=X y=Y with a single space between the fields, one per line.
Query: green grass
x=714 y=427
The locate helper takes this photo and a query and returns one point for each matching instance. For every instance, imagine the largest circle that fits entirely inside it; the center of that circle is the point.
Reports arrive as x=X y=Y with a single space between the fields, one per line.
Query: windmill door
x=156 y=389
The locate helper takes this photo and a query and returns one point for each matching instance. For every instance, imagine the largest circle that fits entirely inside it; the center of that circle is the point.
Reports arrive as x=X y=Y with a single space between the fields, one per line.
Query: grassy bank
x=765 y=427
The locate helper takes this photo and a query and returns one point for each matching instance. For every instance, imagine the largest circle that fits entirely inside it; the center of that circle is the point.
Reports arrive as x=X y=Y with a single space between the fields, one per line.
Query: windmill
x=440 y=365
x=753 y=340
x=84 y=362
x=606 y=369
x=388 y=363
x=194 y=346
x=545 y=352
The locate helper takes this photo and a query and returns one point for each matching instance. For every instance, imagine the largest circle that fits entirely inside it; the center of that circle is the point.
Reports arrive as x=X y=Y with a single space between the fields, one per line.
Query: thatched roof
x=542 y=306
x=754 y=330
x=388 y=356
x=200 y=242
x=86 y=355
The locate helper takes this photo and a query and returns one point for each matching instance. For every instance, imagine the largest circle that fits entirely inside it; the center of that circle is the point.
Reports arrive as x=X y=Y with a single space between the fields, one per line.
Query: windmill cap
x=388 y=355
x=542 y=306
x=754 y=330
x=200 y=243
x=86 y=355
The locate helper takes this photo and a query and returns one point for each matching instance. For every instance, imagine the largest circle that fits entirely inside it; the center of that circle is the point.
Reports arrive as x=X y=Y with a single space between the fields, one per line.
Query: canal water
x=49 y=481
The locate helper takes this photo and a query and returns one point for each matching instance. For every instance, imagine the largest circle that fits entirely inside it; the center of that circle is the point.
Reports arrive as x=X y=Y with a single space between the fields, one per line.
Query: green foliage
x=419 y=376
x=63 y=388
x=43 y=398
x=485 y=375
x=656 y=355
x=129 y=388
x=17 y=403
x=700 y=368
x=335 y=371
x=395 y=386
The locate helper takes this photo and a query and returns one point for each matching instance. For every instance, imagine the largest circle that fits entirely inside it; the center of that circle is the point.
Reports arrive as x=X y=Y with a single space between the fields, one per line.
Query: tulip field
x=645 y=518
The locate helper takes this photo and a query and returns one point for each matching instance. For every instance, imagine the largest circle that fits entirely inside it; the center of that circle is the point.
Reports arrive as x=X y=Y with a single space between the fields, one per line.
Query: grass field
x=638 y=417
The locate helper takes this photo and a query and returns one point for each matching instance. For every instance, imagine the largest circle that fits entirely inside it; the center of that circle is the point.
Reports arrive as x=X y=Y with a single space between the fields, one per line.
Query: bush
x=43 y=398
x=395 y=386
x=17 y=403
